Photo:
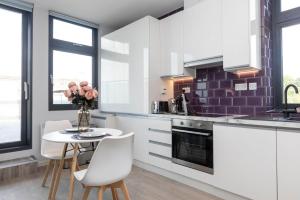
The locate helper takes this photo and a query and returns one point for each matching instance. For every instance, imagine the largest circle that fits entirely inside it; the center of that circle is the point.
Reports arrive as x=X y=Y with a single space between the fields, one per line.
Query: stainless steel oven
x=192 y=144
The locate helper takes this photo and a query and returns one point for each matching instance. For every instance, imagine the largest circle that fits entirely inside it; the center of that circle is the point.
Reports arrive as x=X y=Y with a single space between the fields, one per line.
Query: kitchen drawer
x=160 y=125
x=160 y=161
x=160 y=136
x=160 y=149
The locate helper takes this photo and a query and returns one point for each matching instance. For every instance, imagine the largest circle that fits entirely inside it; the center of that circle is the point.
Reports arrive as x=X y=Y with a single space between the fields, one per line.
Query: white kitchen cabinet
x=202 y=35
x=241 y=35
x=288 y=161
x=130 y=68
x=159 y=140
x=171 y=45
x=152 y=139
x=103 y=121
x=139 y=126
x=245 y=161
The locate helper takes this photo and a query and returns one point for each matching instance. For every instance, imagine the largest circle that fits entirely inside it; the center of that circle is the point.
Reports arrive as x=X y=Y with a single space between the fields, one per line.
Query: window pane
x=291 y=60
x=289 y=4
x=72 y=33
x=69 y=67
x=10 y=75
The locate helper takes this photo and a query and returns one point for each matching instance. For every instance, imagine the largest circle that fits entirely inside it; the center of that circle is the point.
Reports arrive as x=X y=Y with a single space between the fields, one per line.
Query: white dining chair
x=53 y=151
x=110 y=165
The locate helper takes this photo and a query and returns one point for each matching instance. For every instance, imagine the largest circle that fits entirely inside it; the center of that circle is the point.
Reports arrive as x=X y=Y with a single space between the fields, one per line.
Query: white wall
x=190 y=3
x=106 y=30
x=40 y=111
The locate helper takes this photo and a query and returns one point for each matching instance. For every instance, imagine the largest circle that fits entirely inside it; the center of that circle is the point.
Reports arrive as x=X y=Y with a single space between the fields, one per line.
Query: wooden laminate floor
x=142 y=185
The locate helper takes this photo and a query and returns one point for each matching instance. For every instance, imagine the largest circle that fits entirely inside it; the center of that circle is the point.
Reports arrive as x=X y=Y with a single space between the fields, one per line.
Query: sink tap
x=287 y=112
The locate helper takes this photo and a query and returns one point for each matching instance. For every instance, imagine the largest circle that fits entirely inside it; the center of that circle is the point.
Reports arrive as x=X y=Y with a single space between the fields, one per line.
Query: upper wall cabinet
x=129 y=66
x=171 y=45
x=202 y=37
x=241 y=35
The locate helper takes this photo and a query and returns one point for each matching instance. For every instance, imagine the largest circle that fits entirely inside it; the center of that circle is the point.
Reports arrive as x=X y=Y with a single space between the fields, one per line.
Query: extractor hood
x=205 y=63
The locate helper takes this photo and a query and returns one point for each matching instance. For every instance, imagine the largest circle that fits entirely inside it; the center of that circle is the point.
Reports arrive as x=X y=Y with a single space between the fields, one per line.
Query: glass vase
x=84 y=117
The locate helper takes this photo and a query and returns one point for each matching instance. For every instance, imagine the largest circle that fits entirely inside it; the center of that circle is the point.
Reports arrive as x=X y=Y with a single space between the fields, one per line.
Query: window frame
x=70 y=47
x=281 y=20
x=26 y=104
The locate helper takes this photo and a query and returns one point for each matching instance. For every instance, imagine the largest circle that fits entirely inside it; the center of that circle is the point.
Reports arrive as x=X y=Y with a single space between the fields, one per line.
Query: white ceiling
x=110 y=13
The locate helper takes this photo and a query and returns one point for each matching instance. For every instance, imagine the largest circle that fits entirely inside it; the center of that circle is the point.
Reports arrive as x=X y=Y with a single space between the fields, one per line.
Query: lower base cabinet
x=244 y=157
x=152 y=139
x=245 y=161
x=288 y=162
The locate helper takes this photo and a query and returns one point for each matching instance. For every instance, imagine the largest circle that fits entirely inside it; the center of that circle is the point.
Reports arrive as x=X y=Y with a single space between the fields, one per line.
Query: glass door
x=14 y=87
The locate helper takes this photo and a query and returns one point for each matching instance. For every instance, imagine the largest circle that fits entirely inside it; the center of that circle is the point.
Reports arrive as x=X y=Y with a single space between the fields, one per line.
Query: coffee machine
x=181 y=103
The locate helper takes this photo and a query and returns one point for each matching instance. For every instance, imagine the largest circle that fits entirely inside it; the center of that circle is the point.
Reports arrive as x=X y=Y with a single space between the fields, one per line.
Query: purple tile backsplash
x=212 y=91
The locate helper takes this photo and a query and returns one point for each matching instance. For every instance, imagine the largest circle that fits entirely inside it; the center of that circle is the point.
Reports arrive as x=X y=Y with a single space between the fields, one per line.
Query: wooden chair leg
x=47 y=173
x=100 y=192
x=69 y=161
x=60 y=164
x=125 y=190
x=86 y=193
x=72 y=178
x=114 y=193
x=77 y=166
x=55 y=165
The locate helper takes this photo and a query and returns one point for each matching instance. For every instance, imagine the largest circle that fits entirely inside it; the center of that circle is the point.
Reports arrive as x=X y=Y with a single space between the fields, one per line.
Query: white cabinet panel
x=245 y=161
x=241 y=35
x=171 y=41
x=203 y=30
x=159 y=136
x=129 y=66
x=160 y=162
x=139 y=127
x=288 y=161
x=142 y=147
x=160 y=149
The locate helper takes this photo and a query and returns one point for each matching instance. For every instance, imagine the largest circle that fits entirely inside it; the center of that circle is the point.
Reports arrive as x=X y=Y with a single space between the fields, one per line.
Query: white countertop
x=226 y=119
x=211 y=119
x=232 y=120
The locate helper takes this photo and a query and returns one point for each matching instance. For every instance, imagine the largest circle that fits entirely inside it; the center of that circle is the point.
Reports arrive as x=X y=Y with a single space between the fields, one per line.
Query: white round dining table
x=67 y=139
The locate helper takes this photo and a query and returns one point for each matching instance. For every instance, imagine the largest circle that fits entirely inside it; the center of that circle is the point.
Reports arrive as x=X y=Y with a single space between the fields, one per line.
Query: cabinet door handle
x=159 y=156
x=158 y=130
x=159 y=143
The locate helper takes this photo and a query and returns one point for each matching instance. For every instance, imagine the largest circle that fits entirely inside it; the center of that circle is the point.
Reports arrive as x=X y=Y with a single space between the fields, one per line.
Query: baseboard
x=18 y=168
x=190 y=182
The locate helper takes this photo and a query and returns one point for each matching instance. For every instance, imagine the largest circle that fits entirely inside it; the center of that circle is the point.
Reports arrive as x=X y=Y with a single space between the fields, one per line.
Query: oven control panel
x=197 y=124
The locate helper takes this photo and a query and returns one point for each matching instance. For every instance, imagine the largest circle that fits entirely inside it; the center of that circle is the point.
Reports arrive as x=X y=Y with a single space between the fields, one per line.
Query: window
x=289 y=4
x=286 y=65
x=15 y=82
x=72 y=57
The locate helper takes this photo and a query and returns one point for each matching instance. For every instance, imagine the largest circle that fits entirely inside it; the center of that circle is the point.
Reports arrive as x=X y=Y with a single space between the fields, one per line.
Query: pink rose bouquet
x=83 y=95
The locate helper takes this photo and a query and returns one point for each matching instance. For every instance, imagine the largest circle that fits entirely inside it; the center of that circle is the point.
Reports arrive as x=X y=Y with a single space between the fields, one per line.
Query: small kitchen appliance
x=160 y=107
x=181 y=104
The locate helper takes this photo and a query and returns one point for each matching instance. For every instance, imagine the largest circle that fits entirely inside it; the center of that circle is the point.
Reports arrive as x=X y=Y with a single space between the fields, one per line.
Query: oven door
x=193 y=148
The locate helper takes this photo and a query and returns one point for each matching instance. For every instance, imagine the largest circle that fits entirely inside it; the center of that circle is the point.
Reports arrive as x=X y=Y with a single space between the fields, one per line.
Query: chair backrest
x=52 y=147
x=111 y=162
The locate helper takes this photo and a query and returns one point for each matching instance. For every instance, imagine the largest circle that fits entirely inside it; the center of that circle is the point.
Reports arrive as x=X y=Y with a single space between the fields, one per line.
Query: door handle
x=26 y=91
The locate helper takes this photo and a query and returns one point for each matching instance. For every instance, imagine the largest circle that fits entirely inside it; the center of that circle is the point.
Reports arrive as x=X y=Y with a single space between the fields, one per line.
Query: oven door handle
x=191 y=132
